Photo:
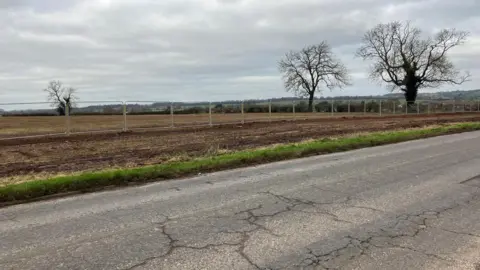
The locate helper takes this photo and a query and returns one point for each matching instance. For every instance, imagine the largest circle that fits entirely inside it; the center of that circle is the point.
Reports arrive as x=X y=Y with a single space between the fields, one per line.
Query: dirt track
x=40 y=157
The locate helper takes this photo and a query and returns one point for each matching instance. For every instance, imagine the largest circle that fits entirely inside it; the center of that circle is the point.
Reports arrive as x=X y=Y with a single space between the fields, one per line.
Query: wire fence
x=32 y=119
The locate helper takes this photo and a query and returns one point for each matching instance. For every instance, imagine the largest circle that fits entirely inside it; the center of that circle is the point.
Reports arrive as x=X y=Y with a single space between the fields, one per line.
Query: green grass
x=88 y=182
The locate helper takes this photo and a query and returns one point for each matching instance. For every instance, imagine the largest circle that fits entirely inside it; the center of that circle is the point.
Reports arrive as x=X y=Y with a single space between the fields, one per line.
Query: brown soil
x=45 y=156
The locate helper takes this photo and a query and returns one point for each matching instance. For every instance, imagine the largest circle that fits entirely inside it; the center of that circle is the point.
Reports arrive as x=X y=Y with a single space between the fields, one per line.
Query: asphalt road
x=413 y=205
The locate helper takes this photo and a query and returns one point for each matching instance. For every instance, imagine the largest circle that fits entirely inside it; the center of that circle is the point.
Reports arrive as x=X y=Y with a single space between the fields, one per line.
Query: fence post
x=428 y=107
x=406 y=107
x=124 y=116
x=394 y=107
x=333 y=101
x=67 y=118
x=454 y=109
x=210 y=122
x=348 y=106
x=243 y=112
x=270 y=110
x=380 y=107
x=364 y=107
x=418 y=107
x=293 y=110
x=172 y=123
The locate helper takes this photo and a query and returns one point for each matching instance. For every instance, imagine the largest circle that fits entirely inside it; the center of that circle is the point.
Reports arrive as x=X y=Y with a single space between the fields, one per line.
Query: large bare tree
x=305 y=71
x=406 y=60
x=61 y=96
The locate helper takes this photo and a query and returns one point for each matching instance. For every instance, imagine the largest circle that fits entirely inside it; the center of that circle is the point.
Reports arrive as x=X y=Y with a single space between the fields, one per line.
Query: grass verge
x=88 y=182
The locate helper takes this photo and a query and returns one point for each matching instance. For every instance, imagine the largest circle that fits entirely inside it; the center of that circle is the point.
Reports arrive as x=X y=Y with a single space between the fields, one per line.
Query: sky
x=201 y=50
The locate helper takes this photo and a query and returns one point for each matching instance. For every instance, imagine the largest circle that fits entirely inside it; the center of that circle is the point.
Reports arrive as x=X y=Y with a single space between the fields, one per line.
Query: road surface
x=413 y=205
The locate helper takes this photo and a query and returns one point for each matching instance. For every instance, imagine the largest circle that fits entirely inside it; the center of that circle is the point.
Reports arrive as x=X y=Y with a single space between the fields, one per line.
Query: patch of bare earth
x=38 y=158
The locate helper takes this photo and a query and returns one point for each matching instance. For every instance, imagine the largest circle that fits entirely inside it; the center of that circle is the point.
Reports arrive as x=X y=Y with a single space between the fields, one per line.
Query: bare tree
x=407 y=61
x=61 y=96
x=306 y=70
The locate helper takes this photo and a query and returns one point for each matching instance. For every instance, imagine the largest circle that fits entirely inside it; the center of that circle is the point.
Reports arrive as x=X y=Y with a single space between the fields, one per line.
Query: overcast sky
x=190 y=50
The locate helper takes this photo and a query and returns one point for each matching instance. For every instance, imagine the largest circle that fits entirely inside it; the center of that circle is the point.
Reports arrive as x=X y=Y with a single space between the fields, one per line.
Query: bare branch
x=304 y=71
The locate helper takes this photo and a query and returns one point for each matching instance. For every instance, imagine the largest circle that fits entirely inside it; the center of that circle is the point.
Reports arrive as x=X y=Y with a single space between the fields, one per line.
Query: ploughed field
x=21 y=126
x=40 y=157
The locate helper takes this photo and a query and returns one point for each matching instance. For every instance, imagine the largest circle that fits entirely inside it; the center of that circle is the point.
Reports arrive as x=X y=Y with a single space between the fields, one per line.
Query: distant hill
x=458 y=94
x=164 y=106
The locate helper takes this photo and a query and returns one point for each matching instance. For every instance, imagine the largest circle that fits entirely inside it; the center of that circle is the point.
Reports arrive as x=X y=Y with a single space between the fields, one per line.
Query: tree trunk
x=411 y=87
x=411 y=95
x=310 y=103
x=61 y=110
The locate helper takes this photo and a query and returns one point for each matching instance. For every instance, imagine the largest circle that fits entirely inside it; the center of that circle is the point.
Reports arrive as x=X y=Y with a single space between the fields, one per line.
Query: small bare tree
x=407 y=61
x=306 y=70
x=61 y=96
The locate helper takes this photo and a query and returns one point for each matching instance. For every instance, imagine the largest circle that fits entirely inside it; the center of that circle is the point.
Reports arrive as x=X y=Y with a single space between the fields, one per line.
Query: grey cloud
x=13 y=3
x=38 y=5
x=184 y=49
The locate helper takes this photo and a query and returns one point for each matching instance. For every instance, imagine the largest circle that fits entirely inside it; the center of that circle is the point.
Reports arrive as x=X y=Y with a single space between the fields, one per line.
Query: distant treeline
x=322 y=106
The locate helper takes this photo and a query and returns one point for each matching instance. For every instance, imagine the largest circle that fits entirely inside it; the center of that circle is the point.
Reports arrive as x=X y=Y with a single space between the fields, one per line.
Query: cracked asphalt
x=413 y=205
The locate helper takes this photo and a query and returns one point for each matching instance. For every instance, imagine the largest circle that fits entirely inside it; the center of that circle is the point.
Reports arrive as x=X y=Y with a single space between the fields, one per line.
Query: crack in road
x=296 y=202
x=362 y=246
x=420 y=220
x=252 y=219
x=241 y=251
x=172 y=246
x=321 y=259
x=455 y=232
x=410 y=226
